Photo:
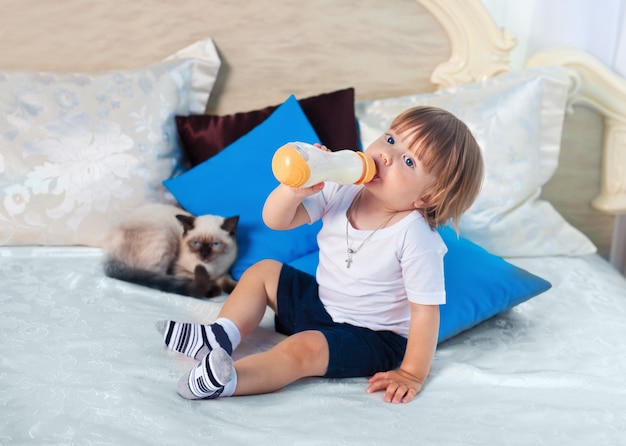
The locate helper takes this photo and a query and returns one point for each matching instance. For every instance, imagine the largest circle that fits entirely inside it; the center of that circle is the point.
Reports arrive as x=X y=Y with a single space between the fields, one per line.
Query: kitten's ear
x=230 y=224
x=187 y=221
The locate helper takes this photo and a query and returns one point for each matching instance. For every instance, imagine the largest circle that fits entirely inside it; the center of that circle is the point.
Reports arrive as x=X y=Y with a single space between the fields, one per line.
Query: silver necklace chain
x=351 y=250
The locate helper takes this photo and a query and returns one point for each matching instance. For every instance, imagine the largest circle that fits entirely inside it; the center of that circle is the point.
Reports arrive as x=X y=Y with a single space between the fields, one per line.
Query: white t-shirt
x=400 y=263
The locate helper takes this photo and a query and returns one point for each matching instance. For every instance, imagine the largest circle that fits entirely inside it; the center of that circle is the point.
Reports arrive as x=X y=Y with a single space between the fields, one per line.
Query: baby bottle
x=298 y=164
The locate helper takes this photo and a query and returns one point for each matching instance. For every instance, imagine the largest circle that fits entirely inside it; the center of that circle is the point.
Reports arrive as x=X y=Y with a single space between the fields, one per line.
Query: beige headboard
x=273 y=48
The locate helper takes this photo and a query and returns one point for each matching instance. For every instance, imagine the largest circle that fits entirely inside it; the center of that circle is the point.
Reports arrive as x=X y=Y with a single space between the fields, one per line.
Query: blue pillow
x=307 y=263
x=479 y=285
x=237 y=181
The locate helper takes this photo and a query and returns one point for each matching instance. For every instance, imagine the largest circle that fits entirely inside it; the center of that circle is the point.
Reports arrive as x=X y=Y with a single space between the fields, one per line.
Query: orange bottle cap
x=289 y=167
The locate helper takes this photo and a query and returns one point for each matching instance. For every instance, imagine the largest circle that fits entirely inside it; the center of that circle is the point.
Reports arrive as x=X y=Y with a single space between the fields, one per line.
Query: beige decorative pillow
x=78 y=150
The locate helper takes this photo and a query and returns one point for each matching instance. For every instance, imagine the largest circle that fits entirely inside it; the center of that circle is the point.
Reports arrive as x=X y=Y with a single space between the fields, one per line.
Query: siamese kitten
x=164 y=247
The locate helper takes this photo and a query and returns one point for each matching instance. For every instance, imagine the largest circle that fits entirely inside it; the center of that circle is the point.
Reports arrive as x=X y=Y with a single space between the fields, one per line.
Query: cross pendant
x=349 y=259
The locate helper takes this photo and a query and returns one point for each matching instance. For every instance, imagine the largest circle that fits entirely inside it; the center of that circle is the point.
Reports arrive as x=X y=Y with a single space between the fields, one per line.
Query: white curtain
x=595 y=26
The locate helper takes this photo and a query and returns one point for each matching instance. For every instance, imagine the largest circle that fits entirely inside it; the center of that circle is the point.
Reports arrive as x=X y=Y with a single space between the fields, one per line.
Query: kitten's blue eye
x=195 y=244
x=409 y=162
x=216 y=244
x=390 y=140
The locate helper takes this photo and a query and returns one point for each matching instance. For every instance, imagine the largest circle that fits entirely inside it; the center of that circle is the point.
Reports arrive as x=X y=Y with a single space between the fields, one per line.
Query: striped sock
x=208 y=379
x=197 y=340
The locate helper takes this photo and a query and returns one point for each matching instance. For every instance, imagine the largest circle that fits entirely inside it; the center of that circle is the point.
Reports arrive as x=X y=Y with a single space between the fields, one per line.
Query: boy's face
x=401 y=180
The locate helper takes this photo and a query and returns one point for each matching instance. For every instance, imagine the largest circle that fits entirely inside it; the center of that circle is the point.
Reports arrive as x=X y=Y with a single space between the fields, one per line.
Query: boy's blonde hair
x=447 y=150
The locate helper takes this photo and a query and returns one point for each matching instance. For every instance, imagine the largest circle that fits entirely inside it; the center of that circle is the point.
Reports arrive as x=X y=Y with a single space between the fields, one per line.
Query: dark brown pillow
x=331 y=115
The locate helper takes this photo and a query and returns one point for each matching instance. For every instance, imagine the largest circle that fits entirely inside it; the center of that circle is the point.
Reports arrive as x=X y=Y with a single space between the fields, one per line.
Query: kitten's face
x=206 y=247
x=208 y=240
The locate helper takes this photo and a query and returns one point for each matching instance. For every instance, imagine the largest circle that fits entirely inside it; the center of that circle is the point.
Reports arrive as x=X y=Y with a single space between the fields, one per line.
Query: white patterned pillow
x=79 y=150
x=517 y=118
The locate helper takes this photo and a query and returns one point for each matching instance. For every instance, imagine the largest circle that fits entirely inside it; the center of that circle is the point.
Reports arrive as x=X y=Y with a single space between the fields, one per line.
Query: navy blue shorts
x=354 y=351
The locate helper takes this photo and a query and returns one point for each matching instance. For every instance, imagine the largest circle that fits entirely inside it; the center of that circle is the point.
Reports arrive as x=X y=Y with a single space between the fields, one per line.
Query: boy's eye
x=390 y=139
x=409 y=162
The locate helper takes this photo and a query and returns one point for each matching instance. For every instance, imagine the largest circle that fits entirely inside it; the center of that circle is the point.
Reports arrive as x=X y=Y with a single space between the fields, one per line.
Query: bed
x=106 y=105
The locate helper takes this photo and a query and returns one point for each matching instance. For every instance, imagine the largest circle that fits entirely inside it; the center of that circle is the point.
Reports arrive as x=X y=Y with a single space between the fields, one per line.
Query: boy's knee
x=310 y=349
x=266 y=266
x=263 y=270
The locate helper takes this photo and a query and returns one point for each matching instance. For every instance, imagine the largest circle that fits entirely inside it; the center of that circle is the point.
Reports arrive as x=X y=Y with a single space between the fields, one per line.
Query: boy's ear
x=425 y=201
x=422 y=202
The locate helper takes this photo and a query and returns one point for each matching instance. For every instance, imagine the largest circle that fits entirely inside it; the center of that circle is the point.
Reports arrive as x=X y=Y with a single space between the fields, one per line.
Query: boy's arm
x=283 y=207
x=403 y=384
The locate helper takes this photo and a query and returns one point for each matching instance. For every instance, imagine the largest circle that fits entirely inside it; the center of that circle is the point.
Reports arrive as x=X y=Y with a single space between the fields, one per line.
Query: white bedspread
x=81 y=363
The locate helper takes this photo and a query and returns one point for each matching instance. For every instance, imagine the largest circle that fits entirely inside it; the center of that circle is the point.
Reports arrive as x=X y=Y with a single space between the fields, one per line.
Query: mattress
x=81 y=363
